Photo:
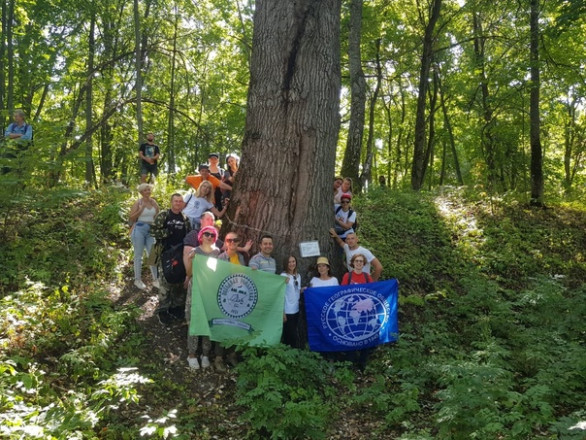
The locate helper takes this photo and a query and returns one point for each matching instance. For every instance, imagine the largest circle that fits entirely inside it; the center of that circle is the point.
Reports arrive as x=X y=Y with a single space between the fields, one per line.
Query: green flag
x=230 y=302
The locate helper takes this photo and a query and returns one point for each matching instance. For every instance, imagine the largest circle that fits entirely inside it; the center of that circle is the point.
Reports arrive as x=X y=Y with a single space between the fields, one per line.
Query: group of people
x=190 y=223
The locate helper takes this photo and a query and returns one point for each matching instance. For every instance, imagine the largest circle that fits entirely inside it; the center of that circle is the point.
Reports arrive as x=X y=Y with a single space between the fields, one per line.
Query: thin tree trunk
x=487 y=137
x=366 y=176
x=171 y=120
x=292 y=123
x=430 y=150
x=448 y=126
x=89 y=147
x=419 y=154
x=351 y=161
x=535 y=124
x=10 y=53
x=138 y=61
x=2 y=68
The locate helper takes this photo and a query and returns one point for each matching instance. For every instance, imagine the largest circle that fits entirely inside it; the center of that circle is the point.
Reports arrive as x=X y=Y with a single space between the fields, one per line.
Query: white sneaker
x=193 y=363
x=205 y=362
x=140 y=284
x=156 y=284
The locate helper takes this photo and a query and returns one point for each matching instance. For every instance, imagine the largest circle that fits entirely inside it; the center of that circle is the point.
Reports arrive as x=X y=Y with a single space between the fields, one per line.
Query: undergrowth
x=491 y=331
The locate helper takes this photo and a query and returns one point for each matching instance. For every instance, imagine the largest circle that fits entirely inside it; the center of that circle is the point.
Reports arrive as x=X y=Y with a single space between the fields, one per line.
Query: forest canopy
x=442 y=89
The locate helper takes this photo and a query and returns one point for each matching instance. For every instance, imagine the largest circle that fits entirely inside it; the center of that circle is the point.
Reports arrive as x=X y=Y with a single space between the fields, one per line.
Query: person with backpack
x=18 y=136
x=169 y=229
x=357 y=276
x=345 y=217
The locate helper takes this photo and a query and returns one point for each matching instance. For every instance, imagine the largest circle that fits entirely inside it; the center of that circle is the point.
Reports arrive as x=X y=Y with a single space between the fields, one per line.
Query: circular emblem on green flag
x=237 y=295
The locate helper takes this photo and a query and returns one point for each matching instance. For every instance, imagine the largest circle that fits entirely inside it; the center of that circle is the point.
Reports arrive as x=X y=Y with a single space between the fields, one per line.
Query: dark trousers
x=290 y=331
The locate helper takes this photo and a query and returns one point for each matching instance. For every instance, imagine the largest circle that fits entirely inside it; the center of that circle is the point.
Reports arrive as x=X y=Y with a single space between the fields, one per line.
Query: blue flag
x=353 y=317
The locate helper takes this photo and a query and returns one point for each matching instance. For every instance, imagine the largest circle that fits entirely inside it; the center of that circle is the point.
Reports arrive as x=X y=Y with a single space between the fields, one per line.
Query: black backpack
x=172 y=262
x=350 y=212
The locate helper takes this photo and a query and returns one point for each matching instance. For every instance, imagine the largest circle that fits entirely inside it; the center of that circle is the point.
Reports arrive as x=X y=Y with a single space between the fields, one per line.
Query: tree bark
x=535 y=124
x=366 y=176
x=419 y=153
x=10 y=54
x=171 y=119
x=2 y=68
x=351 y=161
x=284 y=185
x=89 y=147
x=138 y=61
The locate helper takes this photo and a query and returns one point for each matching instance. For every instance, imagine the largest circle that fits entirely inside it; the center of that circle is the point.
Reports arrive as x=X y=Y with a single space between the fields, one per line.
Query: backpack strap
x=350 y=277
x=338 y=209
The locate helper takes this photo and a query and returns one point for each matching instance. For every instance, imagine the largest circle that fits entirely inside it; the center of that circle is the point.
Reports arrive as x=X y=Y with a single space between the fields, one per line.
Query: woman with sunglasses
x=356 y=275
x=207 y=238
x=292 y=294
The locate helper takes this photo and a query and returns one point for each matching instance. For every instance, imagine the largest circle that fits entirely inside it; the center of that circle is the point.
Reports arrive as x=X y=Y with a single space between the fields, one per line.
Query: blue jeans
x=141 y=240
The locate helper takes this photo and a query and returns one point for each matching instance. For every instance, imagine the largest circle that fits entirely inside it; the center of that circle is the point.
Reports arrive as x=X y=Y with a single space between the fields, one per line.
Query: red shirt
x=361 y=278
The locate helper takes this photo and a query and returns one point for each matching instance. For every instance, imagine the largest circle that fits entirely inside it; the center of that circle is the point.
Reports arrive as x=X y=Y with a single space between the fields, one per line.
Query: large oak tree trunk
x=284 y=185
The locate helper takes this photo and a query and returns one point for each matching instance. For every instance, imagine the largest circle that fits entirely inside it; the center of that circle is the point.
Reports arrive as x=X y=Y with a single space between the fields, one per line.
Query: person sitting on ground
x=345 y=188
x=345 y=217
x=372 y=266
x=169 y=229
x=218 y=173
x=204 y=174
x=149 y=154
x=207 y=238
x=292 y=296
x=356 y=275
x=263 y=260
x=196 y=205
x=337 y=184
x=142 y=215
x=325 y=277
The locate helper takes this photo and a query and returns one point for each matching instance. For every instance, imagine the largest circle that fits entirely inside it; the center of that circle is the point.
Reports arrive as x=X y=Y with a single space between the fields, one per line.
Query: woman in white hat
x=325 y=274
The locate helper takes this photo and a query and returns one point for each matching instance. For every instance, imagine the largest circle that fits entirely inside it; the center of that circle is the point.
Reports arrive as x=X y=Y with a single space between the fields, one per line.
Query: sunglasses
x=209 y=234
x=345 y=201
x=232 y=240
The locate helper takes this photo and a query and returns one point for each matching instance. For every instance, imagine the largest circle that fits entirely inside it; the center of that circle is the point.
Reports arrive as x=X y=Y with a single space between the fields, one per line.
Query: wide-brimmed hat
x=323 y=260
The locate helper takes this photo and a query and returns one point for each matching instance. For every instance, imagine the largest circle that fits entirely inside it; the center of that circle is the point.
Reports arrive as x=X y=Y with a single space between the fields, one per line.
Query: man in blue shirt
x=19 y=129
x=18 y=137
x=263 y=260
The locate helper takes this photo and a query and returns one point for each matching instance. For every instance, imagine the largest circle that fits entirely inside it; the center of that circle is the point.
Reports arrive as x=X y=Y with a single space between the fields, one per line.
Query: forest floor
x=213 y=392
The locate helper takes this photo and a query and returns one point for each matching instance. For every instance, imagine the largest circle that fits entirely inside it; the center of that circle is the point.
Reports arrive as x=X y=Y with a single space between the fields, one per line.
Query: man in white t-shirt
x=345 y=217
x=373 y=265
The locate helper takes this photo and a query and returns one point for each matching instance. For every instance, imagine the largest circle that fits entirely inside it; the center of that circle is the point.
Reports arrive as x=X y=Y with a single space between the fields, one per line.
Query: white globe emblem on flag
x=237 y=295
x=355 y=316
